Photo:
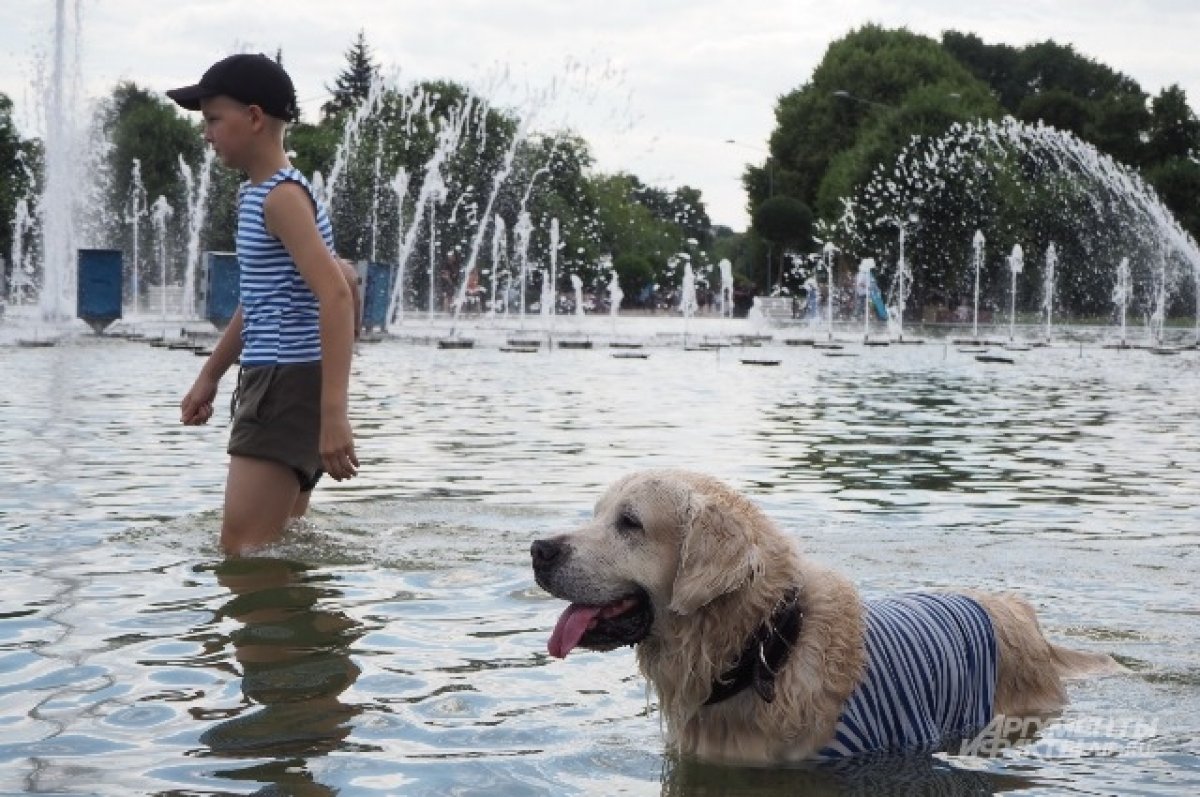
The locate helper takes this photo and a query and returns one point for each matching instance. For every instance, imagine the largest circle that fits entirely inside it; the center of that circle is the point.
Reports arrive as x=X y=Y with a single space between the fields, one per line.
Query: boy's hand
x=337 y=446
x=197 y=405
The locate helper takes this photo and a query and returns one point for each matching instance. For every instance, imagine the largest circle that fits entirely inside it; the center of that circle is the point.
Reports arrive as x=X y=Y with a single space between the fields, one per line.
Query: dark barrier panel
x=377 y=296
x=98 y=294
x=220 y=287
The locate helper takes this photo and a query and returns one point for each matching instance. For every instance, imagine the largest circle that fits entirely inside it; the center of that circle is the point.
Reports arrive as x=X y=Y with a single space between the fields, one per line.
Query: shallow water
x=395 y=644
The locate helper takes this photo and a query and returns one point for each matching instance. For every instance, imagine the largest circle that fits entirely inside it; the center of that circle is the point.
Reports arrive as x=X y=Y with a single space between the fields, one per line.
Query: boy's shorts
x=278 y=417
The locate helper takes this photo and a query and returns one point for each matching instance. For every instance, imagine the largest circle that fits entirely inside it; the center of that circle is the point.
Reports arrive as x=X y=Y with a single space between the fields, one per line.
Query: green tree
x=786 y=223
x=1057 y=108
x=1051 y=83
x=928 y=111
x=558 y=167
x=1177 y=182
x=1118 y=126
x=1172 y=148
x=353 y=84
x=689 y=212
x=640 y=242
x=732 y=246
x=469 y=145
x=1048 y=65
x=641 y=227
x=635 y=272
x=870 y=143
x=220 y=231
x=313 y=146
x=145 y=129
x=17 y=176
x=872 y=91
x=142 y=126
x=997 y=65
x=1174 y=129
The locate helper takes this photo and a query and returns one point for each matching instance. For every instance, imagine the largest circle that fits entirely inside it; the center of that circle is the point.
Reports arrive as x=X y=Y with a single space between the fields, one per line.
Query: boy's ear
x=258 y=117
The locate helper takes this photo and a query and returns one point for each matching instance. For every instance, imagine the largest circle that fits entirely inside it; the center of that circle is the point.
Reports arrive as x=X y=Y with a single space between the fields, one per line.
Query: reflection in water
x=923 y=775
x=294 y=660
x=920 y=434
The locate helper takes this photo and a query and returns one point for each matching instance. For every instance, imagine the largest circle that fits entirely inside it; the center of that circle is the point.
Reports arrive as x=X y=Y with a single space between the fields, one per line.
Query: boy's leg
x=259 y=497
x=300 y=506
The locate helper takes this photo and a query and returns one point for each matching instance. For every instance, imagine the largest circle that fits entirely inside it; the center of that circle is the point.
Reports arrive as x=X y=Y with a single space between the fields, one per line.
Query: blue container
x=221 y=297
x=98 y=289
x=377 y=295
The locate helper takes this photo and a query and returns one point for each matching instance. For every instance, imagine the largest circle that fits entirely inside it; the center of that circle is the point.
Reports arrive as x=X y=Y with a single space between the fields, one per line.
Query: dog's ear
x=717 y=555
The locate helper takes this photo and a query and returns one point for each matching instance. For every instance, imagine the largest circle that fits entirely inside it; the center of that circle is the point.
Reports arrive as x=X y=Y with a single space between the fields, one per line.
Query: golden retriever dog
x=758 y=654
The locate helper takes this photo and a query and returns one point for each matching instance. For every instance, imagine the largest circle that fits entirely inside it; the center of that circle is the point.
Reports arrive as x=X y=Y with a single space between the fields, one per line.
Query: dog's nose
x=545 y=553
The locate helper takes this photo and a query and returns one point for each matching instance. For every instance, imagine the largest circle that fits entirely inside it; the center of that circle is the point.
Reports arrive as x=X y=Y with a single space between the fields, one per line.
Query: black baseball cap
x=249 y=78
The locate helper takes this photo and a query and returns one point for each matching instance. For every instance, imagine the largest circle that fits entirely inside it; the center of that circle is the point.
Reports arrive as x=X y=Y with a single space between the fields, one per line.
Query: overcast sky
x=657 y=87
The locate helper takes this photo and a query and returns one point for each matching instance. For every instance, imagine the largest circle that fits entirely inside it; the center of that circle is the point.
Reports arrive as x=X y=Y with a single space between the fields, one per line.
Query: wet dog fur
x=686 y=569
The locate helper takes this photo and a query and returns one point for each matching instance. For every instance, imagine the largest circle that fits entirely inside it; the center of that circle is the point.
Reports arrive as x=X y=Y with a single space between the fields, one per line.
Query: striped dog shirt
x=930 y=677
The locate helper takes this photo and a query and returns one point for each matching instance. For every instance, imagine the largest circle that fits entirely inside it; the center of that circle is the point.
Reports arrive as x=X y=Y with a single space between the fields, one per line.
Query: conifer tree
x=353 y=84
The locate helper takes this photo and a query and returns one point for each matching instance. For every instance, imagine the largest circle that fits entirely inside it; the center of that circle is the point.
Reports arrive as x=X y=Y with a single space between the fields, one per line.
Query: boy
x=294 y=326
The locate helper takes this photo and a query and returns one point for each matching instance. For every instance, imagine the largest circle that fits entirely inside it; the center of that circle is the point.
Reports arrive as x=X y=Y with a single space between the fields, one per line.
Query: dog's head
x=659 y=542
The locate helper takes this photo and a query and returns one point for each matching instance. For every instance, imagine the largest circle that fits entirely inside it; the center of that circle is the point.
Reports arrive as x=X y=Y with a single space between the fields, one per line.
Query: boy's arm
x=197 y=405
x=353 y=280
x=227 y=350
x=289 y=215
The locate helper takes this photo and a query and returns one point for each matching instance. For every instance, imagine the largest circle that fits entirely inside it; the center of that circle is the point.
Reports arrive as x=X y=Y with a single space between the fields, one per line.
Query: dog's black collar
x=765 y=652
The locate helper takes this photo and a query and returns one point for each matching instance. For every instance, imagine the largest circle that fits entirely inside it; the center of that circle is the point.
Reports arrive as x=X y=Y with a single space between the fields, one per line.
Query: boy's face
x=228 y=127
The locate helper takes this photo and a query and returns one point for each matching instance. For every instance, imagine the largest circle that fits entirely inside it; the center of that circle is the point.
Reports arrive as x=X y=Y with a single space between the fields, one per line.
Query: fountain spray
x=977 y=245
x=615 y=294
x=499 y=234
x=726 y=268
x=828 y=253
x=553 y=275
x=160 y=213
x=865 y=267
x=523 y=232
x=1121 y=294
x=1048 y=287
x=135 y=209
x=432 y=190
x=196 y=196
x=21 y=286
x=1016 y=264
x=435 y=192
x=400 y=189
x=56 y=206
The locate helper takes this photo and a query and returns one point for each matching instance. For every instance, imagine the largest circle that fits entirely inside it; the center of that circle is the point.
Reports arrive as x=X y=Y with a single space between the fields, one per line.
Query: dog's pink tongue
x=572 y=625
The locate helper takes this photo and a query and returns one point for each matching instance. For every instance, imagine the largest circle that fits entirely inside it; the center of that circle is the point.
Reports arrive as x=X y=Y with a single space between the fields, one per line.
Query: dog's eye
x=628 y=521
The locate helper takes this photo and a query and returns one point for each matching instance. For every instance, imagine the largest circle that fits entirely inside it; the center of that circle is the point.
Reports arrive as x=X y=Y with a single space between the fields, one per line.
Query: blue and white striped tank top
x=279 y=310
x=930 y=679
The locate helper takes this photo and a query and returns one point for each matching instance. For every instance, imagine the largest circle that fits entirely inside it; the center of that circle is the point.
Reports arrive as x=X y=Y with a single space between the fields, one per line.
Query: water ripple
x=396 y=644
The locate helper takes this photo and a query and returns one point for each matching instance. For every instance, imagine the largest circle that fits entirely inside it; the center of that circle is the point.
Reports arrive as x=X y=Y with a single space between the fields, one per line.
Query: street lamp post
x=770 y=193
